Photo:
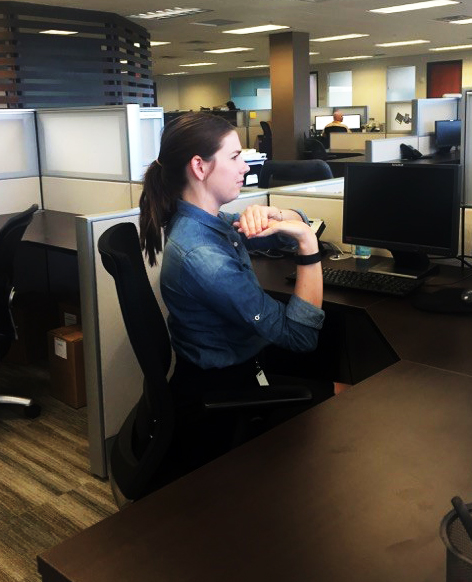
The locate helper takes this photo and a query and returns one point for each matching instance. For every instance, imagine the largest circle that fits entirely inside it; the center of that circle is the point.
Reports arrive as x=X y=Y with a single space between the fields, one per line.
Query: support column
x=290 y=88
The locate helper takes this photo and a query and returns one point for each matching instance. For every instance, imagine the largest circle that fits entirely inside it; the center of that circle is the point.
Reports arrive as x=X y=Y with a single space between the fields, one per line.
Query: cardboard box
x=66 y=365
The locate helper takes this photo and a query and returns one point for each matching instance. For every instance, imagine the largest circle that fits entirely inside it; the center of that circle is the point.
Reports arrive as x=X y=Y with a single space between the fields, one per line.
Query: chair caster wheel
x=32 y=411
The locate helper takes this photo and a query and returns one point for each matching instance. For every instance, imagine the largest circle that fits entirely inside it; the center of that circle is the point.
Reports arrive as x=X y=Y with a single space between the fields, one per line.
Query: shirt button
x=235 y=244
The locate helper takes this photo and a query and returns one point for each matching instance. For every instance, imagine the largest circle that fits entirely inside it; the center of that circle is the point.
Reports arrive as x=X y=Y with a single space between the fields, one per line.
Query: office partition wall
x=466 y=148
x=19 y=170
x=426 y=111
x=90 y=156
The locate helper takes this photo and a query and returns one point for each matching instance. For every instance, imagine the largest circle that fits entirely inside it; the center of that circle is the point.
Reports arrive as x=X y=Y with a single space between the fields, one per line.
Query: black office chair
x=333 y=129
x=265 y=140
x=314 y=149
x=10 y=237
x=282 y=173
x=145 y=453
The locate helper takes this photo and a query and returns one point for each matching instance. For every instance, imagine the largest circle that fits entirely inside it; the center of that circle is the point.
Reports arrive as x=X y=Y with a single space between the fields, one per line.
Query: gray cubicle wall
x=466 y=148
x=19 y=170
x=90 y=156
x=112 y=374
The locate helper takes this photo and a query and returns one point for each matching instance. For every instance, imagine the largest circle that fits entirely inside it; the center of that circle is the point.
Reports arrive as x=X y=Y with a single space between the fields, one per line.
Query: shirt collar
x=187 y=209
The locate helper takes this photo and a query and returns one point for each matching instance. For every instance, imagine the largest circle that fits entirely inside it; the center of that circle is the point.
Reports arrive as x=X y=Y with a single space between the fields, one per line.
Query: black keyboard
x=369 y=281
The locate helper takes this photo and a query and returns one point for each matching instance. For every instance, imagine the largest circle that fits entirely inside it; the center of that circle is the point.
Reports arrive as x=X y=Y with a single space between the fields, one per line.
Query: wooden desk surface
x=50 y=228
x=353 y=489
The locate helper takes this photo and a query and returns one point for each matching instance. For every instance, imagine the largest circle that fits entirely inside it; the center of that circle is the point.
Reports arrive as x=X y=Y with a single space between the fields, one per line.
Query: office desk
x=50 y=228
x=353 y=489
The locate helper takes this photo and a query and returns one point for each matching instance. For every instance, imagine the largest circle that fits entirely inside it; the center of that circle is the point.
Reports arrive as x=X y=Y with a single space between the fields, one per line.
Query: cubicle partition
x=19 y=169
x=90 y=157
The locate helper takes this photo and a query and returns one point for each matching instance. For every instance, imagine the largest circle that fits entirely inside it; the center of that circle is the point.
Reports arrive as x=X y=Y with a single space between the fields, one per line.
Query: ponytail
x=186 y=136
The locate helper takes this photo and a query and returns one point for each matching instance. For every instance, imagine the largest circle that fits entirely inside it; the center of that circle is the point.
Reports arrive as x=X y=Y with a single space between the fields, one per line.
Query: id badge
x=261 y=378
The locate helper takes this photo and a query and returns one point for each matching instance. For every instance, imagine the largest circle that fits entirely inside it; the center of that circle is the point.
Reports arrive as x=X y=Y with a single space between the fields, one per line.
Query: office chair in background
x=282 y=173
x=314 y=149
x=148 y=451
x=10 y=237
x=265 y=141
x=332 y=129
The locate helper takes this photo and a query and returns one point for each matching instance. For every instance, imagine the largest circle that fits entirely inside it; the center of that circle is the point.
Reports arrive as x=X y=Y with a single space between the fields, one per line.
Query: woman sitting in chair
x=220 y=319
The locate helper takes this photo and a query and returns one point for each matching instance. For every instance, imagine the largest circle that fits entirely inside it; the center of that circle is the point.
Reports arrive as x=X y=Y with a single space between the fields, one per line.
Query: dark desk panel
x=353 y=489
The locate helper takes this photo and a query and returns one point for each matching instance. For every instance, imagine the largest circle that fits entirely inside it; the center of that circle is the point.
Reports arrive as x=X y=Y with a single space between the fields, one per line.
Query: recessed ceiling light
x=254 y=29
x=313 y=53
x=254 y=67
x=159 y=42
x=461 y=21
x=402 y=43
x=168 y=13
x=179 y=73
x=354 y=58
x=452 y=48
x=197 y=64
x=414 y=6
x=236 y=49
x=62 y=32
x=339 y=37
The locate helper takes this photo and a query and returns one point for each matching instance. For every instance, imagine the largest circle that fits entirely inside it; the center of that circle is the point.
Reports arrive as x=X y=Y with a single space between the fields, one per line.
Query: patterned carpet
x=46 y=491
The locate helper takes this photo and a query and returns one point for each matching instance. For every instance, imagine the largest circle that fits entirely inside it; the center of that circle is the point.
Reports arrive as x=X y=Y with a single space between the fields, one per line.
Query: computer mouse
x=466 y=296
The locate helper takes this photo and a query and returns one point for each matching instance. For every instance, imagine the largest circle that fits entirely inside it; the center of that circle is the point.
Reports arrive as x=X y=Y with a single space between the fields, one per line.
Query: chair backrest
x=315 y=147
x=276 y=173
x=147 y=432
x=266 y=129
x=11 y=234
x=333 y=129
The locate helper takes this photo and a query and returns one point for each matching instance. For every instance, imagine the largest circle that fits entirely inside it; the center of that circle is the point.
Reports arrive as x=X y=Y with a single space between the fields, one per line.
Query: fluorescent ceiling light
x=63 y=32
x=354 y=58
x=461 y=21
x=179 y=73
x=197 y=64
x=254 y=67
x=158 y=42
x=402 y=43
x=452 y=48
x=414 y=6
x=339 y=37
x=254 y=29
x=313 y=54
x=168 y=13
x=236 y=49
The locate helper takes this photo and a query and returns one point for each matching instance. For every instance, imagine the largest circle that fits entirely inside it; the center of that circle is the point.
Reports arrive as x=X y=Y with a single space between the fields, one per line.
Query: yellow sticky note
x=252 y=115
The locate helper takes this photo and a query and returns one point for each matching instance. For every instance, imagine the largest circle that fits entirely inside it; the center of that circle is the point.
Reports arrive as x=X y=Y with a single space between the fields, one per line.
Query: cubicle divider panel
x=113 y=376
x=427 y=111
x=85 y=196
x=466 y=148
x=18 y=194
x=351 y=141
x=384 y=150
x=136 y=191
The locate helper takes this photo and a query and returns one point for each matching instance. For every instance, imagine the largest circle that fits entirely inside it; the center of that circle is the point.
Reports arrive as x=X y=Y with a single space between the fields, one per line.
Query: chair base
x=31 y=409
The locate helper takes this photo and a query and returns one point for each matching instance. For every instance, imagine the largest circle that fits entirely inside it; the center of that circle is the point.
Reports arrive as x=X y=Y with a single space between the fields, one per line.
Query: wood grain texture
x=47 y=493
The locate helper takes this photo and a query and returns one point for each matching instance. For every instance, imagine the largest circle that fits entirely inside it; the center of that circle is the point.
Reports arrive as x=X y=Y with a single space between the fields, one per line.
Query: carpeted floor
x=47 y=493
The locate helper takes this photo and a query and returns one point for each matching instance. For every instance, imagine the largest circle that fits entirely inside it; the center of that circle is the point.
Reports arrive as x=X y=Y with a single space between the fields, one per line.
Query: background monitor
x=321 y=121
x=448 y=134
x=412 y=210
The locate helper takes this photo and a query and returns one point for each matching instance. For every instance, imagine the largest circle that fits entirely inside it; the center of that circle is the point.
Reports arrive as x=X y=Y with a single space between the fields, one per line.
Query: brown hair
x=186 y=136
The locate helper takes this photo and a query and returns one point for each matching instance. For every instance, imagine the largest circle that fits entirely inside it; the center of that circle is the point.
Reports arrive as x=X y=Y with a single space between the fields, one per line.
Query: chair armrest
x=266 y=397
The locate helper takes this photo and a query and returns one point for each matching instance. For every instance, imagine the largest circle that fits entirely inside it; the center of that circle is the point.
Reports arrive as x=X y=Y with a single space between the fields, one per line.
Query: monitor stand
x=406 y=264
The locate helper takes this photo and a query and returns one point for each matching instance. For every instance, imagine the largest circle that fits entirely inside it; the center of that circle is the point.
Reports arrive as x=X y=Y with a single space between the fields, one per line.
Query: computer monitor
x=322 y=120
x=352 y=120
x=448 y=134
x=412 y=210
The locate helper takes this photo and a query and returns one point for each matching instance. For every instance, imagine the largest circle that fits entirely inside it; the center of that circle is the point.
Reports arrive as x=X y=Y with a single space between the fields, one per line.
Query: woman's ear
x=197 y=167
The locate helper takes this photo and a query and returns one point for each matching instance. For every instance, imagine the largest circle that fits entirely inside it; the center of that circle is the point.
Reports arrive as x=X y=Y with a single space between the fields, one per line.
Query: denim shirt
x=218 y=313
